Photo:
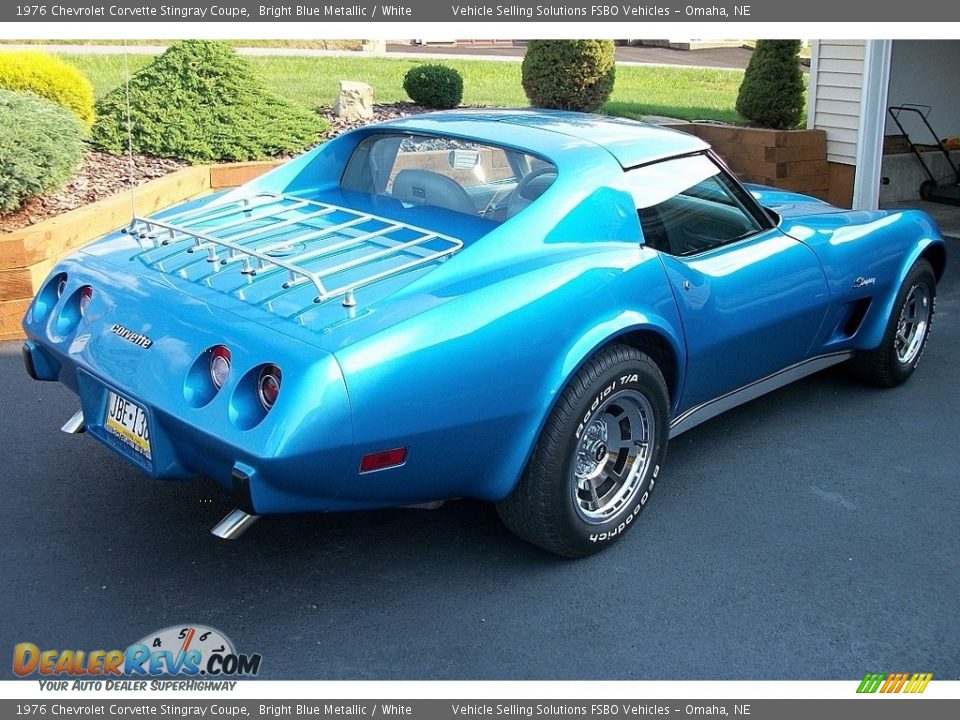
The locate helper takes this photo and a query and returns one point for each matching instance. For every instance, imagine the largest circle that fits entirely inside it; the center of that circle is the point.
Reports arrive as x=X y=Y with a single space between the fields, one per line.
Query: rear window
x=457 y=175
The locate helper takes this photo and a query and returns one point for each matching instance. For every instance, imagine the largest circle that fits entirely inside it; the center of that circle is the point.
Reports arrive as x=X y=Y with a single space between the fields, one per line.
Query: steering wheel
x=522 y=195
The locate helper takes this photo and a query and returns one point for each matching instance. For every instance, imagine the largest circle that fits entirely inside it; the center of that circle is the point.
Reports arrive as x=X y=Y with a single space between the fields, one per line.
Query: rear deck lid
x=298 y=258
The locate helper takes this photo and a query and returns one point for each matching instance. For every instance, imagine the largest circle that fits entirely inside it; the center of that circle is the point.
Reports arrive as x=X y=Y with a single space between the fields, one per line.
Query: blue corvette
x=517 y=306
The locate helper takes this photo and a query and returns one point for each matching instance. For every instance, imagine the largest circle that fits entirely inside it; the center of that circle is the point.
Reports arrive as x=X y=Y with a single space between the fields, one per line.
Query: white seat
x=423 y=187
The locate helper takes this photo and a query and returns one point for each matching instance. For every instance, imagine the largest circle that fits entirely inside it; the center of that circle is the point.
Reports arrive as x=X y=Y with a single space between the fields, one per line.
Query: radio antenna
x=130 y=163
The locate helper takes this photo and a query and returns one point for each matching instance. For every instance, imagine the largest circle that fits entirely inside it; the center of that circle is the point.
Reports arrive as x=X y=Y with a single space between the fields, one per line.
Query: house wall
x=921 y=73
x=835 y=94
x=836 y=87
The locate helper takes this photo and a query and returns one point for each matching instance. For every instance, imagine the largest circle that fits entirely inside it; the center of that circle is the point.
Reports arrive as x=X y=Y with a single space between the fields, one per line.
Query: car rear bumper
x=298 y=456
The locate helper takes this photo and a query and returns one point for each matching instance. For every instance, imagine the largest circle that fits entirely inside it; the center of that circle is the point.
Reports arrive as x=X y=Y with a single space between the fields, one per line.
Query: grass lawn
x=687 y=93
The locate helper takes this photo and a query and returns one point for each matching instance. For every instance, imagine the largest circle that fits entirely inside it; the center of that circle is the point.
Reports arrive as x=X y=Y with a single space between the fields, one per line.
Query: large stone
x=355 y=101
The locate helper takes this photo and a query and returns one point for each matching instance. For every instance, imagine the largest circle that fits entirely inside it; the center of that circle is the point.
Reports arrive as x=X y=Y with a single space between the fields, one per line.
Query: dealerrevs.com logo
x=193 y=651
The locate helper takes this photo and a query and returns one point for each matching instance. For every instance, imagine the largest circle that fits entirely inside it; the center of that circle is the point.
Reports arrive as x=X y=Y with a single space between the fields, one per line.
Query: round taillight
x=268 y=386
x=61 y=286
x=86 y=295
x=219 y=365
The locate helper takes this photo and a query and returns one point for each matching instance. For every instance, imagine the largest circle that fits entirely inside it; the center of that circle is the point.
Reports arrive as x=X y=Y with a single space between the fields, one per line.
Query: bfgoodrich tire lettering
x=597 y=458
x=906 y=334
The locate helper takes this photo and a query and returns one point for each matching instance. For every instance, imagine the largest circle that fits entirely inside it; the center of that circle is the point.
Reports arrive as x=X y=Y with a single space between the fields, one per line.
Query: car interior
x=483 y=180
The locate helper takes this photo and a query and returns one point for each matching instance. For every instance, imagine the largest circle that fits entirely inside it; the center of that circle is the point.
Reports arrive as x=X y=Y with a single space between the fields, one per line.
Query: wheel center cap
x=592 y=453
x=600 y=451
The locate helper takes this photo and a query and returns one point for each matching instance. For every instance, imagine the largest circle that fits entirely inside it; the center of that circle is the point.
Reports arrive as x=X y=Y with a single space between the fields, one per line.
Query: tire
x=907 y=332
x=926 y=189
x=597 y=458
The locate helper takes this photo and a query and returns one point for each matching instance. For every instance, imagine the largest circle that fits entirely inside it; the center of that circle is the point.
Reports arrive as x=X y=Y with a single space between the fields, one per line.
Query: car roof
x=630 y=142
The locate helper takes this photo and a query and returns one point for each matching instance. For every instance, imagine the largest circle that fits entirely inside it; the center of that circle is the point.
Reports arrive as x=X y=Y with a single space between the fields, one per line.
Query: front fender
x=876 y=324
x=866 y=255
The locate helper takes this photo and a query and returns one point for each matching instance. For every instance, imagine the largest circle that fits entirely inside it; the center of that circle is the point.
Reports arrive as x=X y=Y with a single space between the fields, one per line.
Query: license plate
x=127 y=421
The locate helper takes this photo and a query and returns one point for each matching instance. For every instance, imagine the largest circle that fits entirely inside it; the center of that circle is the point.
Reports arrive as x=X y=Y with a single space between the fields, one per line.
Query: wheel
x=926 y=189
x=907 y=331
x=597 y=457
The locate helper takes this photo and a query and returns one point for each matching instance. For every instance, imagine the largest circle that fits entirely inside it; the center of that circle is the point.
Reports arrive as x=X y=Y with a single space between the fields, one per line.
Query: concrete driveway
x=809 y=534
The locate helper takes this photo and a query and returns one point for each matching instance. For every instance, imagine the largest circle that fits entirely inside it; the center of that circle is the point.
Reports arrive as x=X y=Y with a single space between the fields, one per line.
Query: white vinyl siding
x=836 y=89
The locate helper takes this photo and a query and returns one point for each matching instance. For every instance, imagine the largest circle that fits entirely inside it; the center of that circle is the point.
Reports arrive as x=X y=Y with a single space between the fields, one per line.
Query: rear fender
x=470 y=383
x=658 y=315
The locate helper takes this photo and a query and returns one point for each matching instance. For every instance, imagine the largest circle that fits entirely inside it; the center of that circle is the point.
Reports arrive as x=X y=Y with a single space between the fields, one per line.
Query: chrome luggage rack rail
x=245 y=231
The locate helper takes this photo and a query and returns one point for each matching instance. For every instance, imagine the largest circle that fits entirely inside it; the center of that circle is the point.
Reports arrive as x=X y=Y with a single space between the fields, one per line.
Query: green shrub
x=771 y=94
x=435 y=86
x=569 y=74
x=41 y=146
x=50 y=78
x=201 y=102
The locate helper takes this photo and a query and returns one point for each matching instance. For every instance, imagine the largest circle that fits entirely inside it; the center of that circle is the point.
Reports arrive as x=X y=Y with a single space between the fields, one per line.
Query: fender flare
x=873 y=335
x=587 y=344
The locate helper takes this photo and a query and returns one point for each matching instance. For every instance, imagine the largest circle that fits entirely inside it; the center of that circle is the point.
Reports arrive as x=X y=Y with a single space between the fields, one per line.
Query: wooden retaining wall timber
x=787 y=159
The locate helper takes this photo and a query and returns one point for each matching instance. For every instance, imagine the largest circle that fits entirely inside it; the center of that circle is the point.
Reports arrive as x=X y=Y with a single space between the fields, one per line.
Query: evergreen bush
x=569 y=74
x=771 y=94
x=202 y=102
x=435 y=86
x=41 y=146
x=50 y=78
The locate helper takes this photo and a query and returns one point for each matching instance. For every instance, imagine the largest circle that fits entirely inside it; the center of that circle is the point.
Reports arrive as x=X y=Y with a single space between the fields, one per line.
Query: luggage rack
x=246 y=232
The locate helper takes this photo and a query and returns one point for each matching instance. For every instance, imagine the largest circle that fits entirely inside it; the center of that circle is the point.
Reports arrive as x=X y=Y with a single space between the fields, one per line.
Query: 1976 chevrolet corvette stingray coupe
x=517 y=306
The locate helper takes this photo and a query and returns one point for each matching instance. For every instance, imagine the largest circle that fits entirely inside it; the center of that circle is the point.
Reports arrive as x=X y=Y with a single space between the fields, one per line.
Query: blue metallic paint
x=462 y=363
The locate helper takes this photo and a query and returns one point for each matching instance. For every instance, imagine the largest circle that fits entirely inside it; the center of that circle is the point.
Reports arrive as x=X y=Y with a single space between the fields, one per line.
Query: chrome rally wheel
x=906 y=334
x=613 y=456
x=597 y=458
x=912 y=324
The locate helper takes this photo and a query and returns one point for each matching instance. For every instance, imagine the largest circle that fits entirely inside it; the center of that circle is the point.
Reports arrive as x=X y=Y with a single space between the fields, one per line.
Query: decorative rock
x=355 y=101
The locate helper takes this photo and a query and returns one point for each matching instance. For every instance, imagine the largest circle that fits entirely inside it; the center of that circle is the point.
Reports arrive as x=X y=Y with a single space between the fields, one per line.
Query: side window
x=698 y=209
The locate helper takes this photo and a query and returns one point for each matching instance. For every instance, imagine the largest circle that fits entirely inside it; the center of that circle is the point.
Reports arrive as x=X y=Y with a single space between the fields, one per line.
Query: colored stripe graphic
x=870 y=683
x=918 y=683
x=894 y=682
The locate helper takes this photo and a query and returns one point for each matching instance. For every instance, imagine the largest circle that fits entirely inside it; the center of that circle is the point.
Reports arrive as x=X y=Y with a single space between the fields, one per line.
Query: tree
x=771 y=94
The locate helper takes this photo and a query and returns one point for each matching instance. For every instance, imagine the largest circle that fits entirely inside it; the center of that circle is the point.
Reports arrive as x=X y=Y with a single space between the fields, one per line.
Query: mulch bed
x=103 y=175
x=100 y=176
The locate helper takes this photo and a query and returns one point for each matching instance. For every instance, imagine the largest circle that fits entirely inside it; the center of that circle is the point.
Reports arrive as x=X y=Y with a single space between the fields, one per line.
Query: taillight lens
x=61 y=286
x=86 y=295
x=219 y=365
x=383 y=460
x=268 y=386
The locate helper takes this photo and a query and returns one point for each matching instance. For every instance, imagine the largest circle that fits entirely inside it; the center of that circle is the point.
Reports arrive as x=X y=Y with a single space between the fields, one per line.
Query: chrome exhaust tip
x=75 y=425
x=235 y=524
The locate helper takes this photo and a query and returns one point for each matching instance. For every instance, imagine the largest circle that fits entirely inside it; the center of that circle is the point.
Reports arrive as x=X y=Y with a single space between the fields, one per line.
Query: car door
x=751 y=298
